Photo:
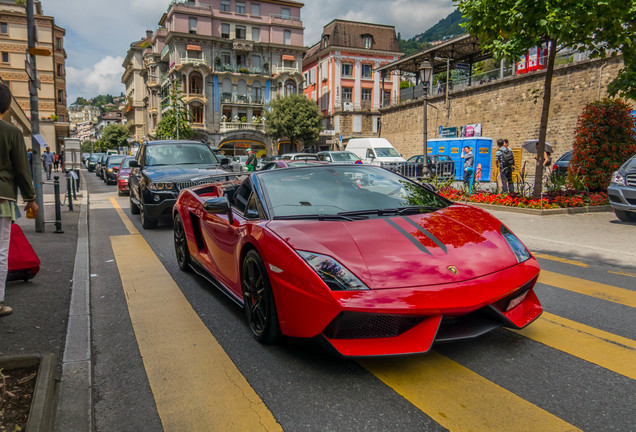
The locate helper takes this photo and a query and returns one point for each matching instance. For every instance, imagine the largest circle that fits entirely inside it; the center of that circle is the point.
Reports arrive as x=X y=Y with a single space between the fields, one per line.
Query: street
x=171 y=351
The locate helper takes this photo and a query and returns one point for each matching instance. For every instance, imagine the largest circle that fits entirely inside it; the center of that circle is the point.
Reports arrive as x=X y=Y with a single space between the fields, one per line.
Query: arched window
x=196 y=110
x=290 y=88
x=196 y=83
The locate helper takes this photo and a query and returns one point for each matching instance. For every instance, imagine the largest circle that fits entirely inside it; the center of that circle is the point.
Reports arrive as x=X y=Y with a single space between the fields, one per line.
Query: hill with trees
x=444 y=29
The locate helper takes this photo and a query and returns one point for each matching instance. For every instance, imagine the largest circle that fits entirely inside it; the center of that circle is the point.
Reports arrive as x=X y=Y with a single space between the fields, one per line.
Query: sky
x=99 y=33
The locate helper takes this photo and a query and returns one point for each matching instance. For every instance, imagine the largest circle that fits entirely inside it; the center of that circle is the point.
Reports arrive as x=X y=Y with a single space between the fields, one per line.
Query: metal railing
x=241 y=99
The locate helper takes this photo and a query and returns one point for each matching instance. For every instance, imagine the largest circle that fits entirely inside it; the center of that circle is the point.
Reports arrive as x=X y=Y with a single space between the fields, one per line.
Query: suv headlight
x=618 y=179
x=515 y=244
x=335 y=275
x=160 y=186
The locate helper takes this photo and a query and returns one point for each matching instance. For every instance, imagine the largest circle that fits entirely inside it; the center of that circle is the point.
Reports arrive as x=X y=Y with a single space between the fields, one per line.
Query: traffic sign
x=39 y=51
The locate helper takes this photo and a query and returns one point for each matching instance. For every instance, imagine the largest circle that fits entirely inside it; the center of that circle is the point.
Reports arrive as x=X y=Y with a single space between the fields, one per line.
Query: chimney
x=148 y=34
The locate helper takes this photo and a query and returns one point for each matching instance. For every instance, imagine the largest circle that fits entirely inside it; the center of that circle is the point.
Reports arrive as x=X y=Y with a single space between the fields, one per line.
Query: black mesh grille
x=502 y=303
x=356 y=325
x=614 y=198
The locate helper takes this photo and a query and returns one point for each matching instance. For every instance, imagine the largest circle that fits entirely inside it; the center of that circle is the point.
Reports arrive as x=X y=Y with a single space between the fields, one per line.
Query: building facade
x=340 y=76
x=51 y=70
x=228 y=59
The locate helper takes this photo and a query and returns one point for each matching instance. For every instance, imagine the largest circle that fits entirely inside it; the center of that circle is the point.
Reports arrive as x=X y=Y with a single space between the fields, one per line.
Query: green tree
x=115 y=136
x=509 y=28
x=175 y=123
x=80 y=101
x=294 y=117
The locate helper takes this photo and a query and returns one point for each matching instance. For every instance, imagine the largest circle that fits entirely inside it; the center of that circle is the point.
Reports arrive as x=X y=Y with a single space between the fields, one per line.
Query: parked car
x=374 y=150
x=560 y=167
x=338 y=157
x=162 y=169
x=377 y=267
x=99 y=165
x=299 y=156
x=122 y=176
x=92 y=161
x=622 y=191
x=111 y=168
x=290 y=163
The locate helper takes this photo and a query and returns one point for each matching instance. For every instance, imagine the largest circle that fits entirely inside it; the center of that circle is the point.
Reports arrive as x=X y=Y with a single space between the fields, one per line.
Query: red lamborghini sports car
x=356 y=258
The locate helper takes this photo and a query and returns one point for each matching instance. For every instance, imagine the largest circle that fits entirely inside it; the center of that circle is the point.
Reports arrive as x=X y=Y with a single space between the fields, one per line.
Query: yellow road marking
x=459 y=399
x=195 y=384
x=607 y=350
x=623 y=273
x=563 y=260
x=127 y=222
x=593 y=289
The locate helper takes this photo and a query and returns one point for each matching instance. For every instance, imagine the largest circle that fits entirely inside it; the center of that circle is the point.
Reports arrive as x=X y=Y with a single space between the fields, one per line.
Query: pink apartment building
x=340 y=76
x=229 y=58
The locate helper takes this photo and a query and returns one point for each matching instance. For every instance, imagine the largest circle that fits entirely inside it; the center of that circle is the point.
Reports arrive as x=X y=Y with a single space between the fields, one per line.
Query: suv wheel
x=146 y=222
x=625 y=216
x=134 y=209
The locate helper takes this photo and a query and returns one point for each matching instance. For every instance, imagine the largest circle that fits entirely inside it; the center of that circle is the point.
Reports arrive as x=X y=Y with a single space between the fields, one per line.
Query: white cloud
x=102 y=78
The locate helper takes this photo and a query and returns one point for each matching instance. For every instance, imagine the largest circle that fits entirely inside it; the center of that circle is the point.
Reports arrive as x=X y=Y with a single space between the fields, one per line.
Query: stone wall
x=507 y=108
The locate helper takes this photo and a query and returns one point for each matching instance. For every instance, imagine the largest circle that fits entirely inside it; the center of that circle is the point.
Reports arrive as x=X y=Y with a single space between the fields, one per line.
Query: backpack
x=507 y=158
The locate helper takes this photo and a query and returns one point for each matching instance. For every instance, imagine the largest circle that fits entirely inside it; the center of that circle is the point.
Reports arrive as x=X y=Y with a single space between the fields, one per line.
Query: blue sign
x=441 y=128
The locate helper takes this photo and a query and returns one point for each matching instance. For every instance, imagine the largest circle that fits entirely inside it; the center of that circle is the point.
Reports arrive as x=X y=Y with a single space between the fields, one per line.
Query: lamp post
x=426 y=70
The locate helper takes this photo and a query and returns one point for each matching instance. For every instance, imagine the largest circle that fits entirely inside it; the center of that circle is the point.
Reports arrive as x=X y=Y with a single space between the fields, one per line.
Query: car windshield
x=386 y=152
x=95 y=157
x=567 y=157
x=179 y=154
x=338 y=190
x=344 y=157
x=115 y=160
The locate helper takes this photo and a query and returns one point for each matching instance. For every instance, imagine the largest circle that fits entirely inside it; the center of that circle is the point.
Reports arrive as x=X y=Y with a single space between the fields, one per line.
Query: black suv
x=162 y=168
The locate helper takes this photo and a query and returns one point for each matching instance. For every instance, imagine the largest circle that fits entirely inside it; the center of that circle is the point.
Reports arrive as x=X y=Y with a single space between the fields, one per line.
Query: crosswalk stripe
x=459 y=399
x=607 y=350
x=589 y=288
x=558 y=259
x=195 y=384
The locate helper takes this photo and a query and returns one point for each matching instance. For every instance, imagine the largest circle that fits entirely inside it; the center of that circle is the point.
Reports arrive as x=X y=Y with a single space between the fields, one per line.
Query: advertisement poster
x=471 y=130
x=449 y=132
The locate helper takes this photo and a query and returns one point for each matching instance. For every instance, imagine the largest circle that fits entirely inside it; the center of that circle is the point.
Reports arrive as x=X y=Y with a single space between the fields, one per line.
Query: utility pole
x=34 y=85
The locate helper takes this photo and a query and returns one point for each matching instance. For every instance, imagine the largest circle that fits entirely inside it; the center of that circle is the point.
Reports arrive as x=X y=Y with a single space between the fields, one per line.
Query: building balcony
x=241 y=126
x=194 y=61
x=286 y=69
x=285 y=19
x=234 y=98
x=241 y=69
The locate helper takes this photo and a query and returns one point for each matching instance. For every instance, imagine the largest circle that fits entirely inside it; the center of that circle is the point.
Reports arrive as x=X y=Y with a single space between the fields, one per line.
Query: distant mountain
x=445 y=28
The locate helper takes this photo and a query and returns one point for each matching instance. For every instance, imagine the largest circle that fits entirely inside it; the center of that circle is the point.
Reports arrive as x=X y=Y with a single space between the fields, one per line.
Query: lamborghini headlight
x=335 y=275
x=515 y=244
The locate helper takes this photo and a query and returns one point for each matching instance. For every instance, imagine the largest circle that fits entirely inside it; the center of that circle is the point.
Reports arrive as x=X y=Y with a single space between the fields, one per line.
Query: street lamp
x=426 y=70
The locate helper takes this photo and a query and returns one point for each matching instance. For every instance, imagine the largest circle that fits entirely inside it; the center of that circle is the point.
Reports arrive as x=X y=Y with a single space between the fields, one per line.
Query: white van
x=374 y=150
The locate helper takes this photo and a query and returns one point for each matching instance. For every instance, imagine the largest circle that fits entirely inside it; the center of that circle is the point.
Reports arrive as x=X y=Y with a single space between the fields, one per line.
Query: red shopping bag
x=24 y=263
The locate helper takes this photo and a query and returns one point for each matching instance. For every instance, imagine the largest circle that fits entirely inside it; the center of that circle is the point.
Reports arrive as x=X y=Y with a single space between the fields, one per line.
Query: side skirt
x=205 y=274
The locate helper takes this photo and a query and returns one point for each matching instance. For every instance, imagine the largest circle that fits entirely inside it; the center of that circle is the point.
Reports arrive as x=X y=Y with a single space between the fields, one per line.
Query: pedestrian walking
x=14 y=175
x=505 y=159
x=469 y=161
x=251 y=160
x=56 y=161
x=30 y=157
x=48 y=159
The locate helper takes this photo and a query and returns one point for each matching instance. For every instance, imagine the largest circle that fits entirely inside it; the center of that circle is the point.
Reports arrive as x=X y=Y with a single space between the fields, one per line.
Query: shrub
x=605 y=138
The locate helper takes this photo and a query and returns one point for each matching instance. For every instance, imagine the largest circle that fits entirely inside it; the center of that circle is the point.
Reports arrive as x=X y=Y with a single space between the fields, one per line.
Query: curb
x=546 y=212
x=43 y=402
x=74 y=407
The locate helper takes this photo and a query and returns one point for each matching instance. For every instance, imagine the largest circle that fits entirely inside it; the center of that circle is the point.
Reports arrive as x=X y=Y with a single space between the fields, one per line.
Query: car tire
x=181 y=244
x=625 y=216
x=119 y=193
x=146 y=222
x=134 y=208
x=259 y=304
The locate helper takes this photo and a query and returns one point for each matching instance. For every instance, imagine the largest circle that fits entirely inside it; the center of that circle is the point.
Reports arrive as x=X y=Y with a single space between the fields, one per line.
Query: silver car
x=622 y=191
x=345 y=157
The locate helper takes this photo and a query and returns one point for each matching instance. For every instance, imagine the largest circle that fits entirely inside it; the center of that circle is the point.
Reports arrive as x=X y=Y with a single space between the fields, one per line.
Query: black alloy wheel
x=625 y=216
x=181 y=244
x=260 y=307
x=146 y=222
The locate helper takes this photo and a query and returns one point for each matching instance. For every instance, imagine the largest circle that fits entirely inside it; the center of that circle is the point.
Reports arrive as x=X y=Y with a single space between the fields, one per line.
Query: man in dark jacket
x=14 y=174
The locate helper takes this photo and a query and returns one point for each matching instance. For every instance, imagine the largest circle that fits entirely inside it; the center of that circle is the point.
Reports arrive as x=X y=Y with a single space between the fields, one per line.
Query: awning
x=40 y=139
x=193 y=47
x=288 y=57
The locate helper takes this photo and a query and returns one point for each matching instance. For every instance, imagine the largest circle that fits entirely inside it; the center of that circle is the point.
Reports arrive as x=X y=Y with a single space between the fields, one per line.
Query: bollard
x=73 y=183
x=69 y=194
x=58 y=206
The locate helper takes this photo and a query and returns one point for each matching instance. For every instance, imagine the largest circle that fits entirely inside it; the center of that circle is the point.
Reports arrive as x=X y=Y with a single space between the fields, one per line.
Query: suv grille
x=630 y=179
x=183 y=185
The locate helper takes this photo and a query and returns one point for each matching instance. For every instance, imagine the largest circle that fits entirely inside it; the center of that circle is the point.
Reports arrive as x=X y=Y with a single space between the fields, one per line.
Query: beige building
x=135 y=110
x=51 y=69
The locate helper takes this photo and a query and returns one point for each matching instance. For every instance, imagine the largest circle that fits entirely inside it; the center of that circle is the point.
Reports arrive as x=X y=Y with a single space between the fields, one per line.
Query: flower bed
x=552 y=201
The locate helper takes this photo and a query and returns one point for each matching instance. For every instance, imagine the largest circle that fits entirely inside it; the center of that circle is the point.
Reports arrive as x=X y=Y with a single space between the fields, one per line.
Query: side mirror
x=133 y=164
x=219 y=205
x=225 y=161
x=371 y=155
